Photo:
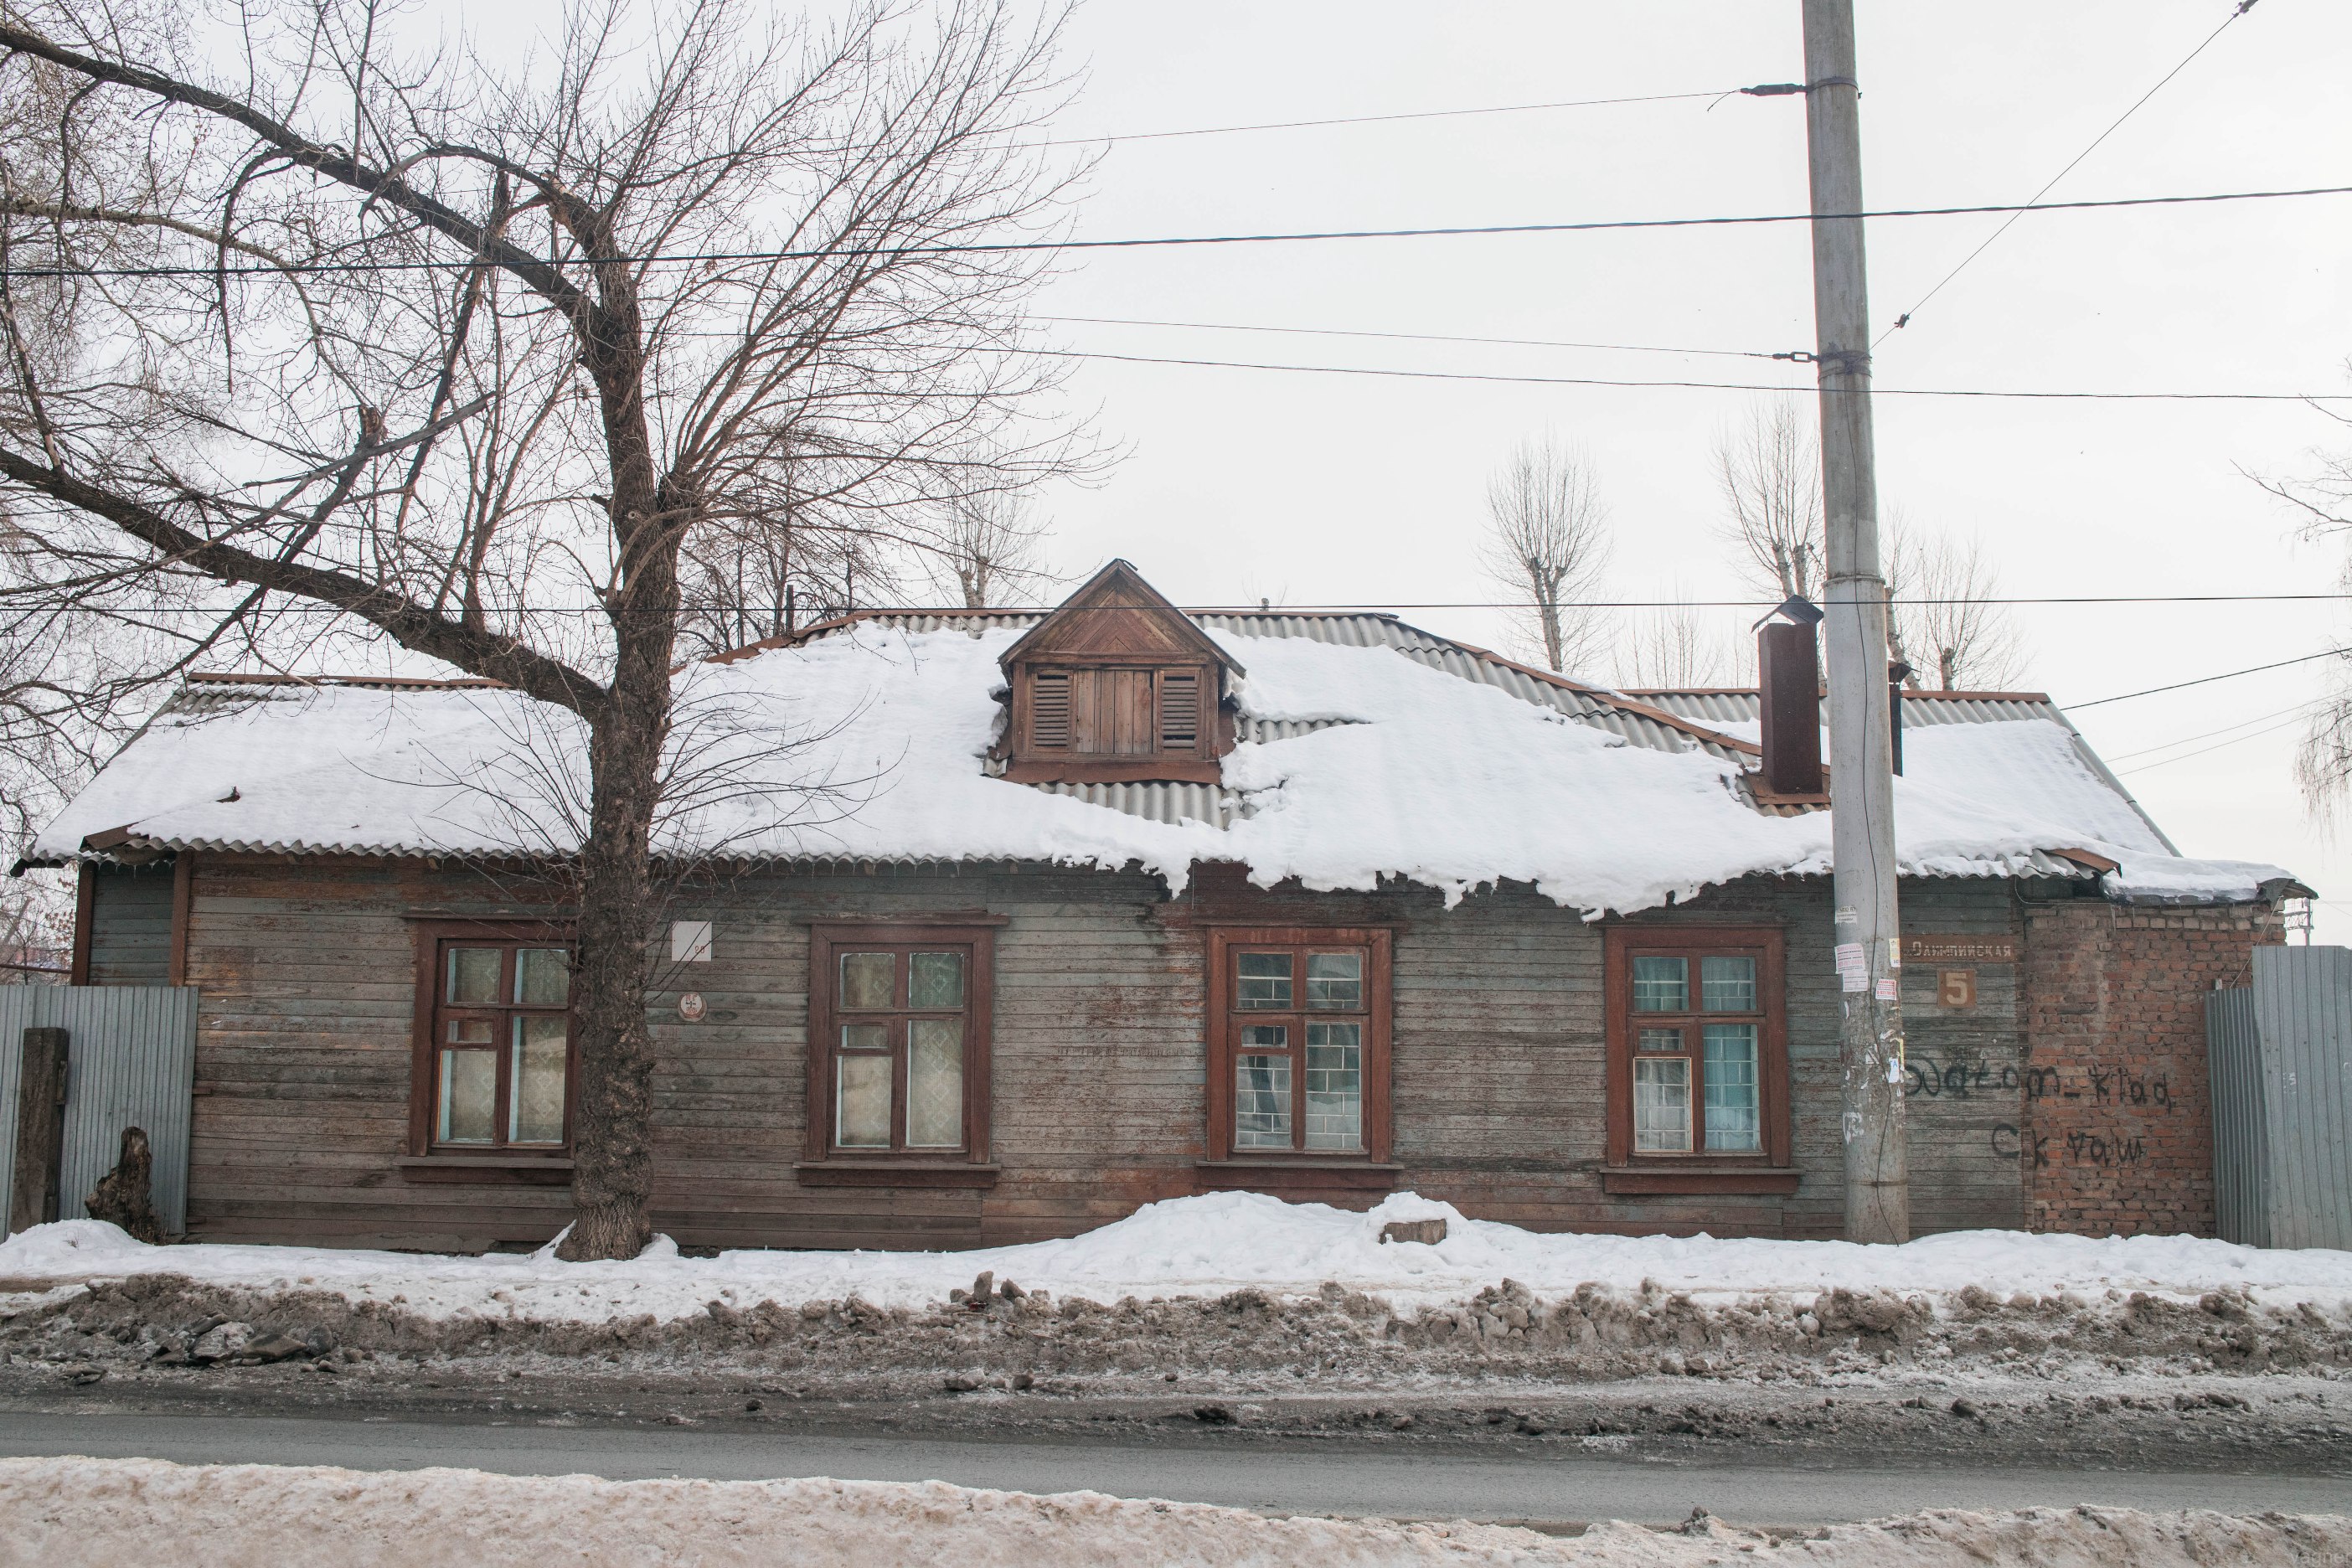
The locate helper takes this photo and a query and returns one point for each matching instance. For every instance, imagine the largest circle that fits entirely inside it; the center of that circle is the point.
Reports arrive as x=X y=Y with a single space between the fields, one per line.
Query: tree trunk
x=612 y=1129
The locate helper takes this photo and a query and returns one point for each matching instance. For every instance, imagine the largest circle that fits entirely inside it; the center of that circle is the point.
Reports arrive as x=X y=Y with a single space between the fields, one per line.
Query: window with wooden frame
x=899 y=1021
x=1299 y=1045
x=1698 y=1064
x=494 y=1059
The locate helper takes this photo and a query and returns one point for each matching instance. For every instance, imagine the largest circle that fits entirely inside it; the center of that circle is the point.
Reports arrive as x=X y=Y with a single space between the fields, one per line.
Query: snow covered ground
x=72 y=1511
x=1204 y=1247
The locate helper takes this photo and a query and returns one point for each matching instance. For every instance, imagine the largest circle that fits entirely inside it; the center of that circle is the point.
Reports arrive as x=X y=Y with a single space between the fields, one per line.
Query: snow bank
x=870 y=744
x=1203 y=1246
x=72 y=1511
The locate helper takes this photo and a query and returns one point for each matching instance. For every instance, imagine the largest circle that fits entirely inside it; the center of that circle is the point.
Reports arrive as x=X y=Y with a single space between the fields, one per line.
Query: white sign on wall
x=690 y=941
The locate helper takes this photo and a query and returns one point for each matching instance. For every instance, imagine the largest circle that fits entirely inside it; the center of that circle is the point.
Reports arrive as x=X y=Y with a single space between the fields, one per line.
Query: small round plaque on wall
x=690 y=1007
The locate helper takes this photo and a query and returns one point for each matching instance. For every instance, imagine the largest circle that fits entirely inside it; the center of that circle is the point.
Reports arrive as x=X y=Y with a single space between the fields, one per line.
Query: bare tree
x=351 y=332
x=989 y=550
x=2323 y=501
x=1770 y=474
x=1547 y=547
x=1940 y=619
x=1676 y=645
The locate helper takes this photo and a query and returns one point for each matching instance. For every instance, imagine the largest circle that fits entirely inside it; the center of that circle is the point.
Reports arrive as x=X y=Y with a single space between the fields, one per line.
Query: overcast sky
x=1344 y=489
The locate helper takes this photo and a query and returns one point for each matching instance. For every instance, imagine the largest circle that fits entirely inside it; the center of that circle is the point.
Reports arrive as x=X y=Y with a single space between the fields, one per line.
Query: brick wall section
x=2117 y=1138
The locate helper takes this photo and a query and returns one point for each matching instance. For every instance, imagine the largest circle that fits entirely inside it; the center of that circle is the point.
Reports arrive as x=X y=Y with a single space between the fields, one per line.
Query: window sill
x=1276 y=1174
x=528 y=1170
x=1636 y=1180
x=847 y=1172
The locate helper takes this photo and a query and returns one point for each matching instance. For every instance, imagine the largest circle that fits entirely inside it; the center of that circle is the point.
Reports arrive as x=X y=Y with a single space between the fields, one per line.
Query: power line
x=2218 y=746
x=2209 y=734
x=1409 y=337
x=1905 y=318
x=1327 y=608
x=1384 y=118
x=1016 y=246
x=2209 y=680
x=1807 y=389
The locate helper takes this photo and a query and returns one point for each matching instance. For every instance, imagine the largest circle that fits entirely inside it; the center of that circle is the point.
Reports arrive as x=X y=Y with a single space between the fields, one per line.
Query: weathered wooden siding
x=131 y=925
x=1498 y=1070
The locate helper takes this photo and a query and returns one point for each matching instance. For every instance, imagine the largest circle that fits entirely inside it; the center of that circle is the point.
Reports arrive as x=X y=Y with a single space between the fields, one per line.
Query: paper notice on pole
x=1886 y=988
x=1852 y=967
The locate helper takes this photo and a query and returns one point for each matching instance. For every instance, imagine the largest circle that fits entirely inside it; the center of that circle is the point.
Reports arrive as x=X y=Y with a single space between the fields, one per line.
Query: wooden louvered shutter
x=1049 y=710
x=1180 y=709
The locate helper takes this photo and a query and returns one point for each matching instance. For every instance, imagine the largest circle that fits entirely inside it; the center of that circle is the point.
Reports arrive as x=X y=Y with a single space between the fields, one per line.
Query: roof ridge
x=238 y=677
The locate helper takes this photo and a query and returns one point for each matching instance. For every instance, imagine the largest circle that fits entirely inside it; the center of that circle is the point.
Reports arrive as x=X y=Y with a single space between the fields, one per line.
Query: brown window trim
x=1704 y=1169
x=423 y=1161
x=1224 y=1022
x=825 y=1165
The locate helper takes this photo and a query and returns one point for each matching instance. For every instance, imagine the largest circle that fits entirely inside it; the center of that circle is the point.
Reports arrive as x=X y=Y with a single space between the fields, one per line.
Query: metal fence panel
x=2281 y=1053
x=2240 y=1176
x=131 y=1062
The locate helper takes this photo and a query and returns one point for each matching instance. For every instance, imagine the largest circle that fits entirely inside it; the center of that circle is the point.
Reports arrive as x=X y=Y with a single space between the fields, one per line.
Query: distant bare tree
x=988 y=551
x=2323 y=498
x=1770 y=474
x=1547 y=547
x=344 y=326
x=1675 y=646
x=1939 y=621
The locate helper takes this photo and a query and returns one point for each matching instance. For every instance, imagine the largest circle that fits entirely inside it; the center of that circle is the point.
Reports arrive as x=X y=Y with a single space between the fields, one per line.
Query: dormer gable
x=1117 y=685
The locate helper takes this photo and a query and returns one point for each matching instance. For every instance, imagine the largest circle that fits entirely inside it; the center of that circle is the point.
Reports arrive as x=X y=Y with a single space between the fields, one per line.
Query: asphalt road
x=1323 y=1478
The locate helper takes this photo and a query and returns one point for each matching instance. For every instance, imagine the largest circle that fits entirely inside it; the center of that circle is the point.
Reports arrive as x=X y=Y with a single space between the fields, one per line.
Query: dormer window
x=1117 y=684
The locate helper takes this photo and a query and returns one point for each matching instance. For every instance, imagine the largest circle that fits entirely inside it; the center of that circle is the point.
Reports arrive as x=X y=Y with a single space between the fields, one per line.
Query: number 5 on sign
x=1956 y=987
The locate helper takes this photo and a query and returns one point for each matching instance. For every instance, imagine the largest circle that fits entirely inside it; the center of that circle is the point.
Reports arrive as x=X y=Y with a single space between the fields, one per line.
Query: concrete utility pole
x=1861 y=785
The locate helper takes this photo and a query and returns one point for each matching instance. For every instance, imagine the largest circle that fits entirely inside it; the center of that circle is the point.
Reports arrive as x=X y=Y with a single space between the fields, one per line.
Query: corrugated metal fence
x=2281 y=1059
x=131 y=1061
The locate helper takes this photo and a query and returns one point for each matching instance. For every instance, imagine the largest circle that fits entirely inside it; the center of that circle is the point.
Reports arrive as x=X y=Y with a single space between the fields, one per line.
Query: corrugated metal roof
x=1921 y=709
x=1672 y=721
x=1664 y=720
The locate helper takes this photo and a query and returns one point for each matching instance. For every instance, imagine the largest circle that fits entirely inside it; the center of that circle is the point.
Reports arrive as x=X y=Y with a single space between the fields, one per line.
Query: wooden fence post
x=41 y=1129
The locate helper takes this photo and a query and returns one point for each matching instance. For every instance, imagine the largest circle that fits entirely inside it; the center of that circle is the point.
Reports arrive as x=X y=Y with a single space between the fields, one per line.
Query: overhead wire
x=2201 y=751
x=998 y=247
x=1903 y=320
x=2209 y=680
x=1363 y=607
x=1409 y=337
x=2209 y=734
x=1806 y=389
x=1385 y=119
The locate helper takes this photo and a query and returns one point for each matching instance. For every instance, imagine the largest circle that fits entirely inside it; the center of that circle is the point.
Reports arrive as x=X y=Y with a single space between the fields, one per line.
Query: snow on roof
x=1361 y=759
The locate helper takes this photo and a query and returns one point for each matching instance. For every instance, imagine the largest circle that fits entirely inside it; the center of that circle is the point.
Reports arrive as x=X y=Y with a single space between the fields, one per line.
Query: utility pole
x=1877 y=1174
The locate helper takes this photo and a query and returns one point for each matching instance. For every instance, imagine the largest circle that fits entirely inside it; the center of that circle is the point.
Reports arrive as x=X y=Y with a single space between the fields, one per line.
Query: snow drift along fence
x=2279 y=1056
x=131 y=1061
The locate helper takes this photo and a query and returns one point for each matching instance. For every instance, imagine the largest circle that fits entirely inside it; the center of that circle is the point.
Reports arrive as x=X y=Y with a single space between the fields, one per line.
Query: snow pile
x=1204 y=1247
x=870 y=744
x=72 y=1511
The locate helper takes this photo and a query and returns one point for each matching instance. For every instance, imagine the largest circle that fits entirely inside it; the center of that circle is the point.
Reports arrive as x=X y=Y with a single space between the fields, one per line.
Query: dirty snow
x=1203 y=1246
x=73 y=1511
x=1416 y=773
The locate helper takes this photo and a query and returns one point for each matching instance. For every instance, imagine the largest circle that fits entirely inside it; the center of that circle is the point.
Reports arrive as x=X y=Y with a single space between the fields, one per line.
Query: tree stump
x=124 y=1196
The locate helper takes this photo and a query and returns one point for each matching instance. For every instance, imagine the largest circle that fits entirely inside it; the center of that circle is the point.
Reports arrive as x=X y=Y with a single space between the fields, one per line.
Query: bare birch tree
x=2322 y=503
x=346 y=330
x=1770 y=471
x=988 y=551
x=1940 y=619
x=1676 y=646
x=1547 y=547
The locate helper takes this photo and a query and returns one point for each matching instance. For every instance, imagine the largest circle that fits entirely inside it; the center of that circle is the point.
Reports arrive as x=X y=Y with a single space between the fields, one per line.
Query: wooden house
x=1037 y=917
